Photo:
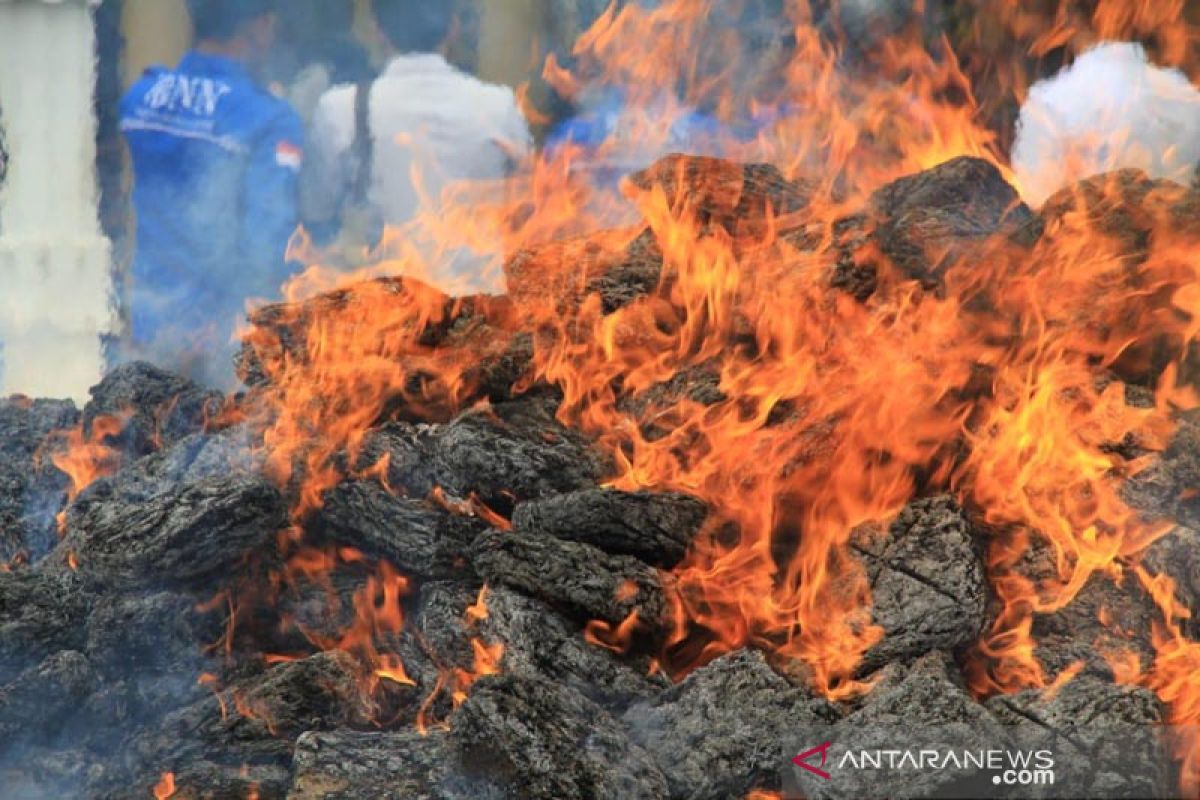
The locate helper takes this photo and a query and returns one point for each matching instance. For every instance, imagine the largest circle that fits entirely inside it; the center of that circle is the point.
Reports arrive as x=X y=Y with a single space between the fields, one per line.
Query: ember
x=166 y=787
x=831 y=431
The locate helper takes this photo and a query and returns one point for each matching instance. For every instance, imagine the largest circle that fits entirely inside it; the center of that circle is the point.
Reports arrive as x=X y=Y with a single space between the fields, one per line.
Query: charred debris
x=145 y=634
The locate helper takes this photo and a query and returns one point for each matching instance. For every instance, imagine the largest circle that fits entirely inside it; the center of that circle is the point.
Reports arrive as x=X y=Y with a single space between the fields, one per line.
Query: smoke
x=1111 y=109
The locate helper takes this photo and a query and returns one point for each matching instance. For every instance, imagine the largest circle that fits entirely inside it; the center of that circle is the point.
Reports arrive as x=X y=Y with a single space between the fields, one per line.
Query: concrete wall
x=54 y=263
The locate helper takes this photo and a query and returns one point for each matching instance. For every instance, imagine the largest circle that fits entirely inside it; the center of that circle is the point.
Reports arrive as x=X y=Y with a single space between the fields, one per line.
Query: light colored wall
x=54 y=262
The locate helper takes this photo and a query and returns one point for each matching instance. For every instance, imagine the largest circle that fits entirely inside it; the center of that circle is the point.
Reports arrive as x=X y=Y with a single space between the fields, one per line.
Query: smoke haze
x=1111 y=109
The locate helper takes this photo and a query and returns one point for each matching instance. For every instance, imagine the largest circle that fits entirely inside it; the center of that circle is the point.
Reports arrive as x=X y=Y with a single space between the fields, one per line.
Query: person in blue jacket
x=216 y=158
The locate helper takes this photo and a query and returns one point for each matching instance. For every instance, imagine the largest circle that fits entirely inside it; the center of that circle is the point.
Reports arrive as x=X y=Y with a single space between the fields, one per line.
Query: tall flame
x=1007 y=385
x=87 y=457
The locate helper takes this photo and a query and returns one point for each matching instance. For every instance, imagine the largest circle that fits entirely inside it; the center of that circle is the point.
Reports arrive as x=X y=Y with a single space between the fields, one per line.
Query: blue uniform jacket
x=216 y=159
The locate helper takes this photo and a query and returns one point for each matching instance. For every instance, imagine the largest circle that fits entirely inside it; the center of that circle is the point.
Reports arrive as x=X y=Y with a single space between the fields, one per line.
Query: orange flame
x=252 y=710
x=478 y=611
x=84 y=459
x=377 y=613
x=617 y=638
x=213 y=683
x=1007 y=385
x=486 y=660
x=1175 y=676
x=165 y=787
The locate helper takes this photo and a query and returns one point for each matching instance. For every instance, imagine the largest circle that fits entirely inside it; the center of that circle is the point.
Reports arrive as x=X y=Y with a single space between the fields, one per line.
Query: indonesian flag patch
x=288 y=155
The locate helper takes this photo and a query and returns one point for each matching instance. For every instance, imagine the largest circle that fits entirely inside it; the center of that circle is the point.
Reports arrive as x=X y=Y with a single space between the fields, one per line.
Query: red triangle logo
x=802 y=760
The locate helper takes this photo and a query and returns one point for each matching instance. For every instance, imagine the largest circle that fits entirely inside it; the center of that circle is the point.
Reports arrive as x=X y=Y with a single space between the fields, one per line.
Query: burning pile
x=341 y=585
x=842 y=436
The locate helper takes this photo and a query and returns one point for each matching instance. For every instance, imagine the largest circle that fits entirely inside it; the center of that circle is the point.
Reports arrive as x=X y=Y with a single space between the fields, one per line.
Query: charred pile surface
x=470 y=610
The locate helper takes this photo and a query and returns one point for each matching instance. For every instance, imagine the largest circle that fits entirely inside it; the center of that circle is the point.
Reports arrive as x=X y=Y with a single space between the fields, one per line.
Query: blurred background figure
x=316 y=49
x=216 y=159
x=623 y=115
x=377 y=148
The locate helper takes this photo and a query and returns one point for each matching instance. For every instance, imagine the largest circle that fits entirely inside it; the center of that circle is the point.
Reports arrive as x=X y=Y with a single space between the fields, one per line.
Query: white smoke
x=1111 y=109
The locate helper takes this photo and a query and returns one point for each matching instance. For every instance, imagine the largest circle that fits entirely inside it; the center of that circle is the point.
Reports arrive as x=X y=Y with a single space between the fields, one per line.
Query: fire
x=213 y=683
x=165 y=787
x=222 y=600
x=1173 y=676
x=370 y=349
x=345 y=358
x=89 y=457
x=20 y=559
x=249 y=709
x=486 y=657
x=486 y=662
x=471 y=507
x=478 y=611
x=1041 y=27
x=378 y=614
x=1007 y=384
x=86 y=458
x=457 y=681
